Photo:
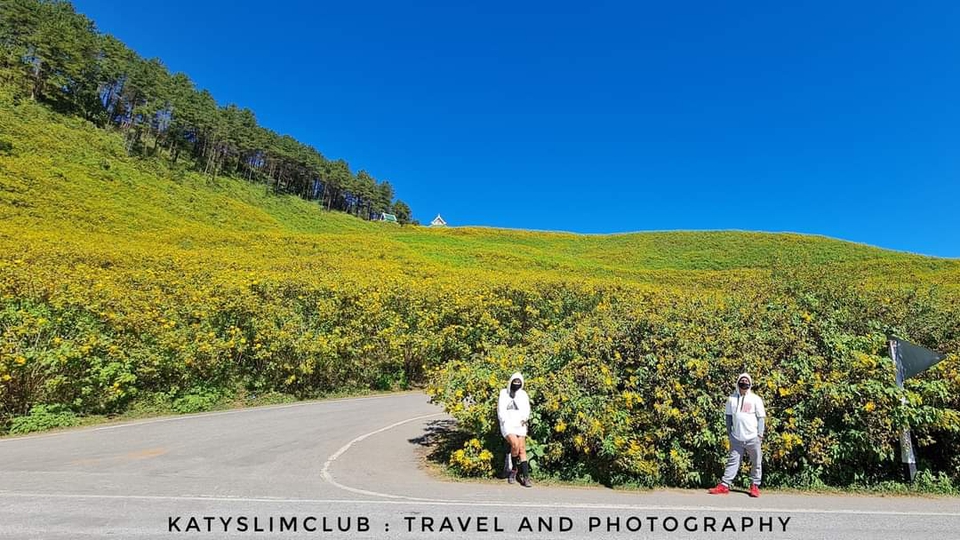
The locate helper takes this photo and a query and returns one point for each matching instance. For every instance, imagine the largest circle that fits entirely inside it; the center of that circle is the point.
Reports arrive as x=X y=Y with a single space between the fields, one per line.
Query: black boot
x=524 y=476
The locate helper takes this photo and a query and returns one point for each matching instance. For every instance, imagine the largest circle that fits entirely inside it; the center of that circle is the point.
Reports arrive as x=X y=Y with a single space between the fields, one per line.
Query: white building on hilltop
x=438 y=222
x=388 y=218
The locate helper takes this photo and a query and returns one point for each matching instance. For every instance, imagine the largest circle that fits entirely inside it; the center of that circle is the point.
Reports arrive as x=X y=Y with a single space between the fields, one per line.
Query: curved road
x=355 y=463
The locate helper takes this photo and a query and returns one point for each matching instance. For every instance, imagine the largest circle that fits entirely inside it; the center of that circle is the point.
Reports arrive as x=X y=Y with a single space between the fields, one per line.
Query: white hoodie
x=746 y=411
x=513 y=412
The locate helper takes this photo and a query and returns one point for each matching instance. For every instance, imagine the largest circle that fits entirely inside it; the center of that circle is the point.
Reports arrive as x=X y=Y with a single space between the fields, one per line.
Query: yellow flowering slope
x=127 y=281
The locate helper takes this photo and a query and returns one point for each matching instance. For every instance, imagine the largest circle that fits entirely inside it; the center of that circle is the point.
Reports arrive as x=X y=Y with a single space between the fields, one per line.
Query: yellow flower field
x=126 y=282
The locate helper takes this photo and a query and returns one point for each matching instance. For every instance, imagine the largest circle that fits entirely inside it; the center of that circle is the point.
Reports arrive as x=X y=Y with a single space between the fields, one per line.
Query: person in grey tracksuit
x=745 y=417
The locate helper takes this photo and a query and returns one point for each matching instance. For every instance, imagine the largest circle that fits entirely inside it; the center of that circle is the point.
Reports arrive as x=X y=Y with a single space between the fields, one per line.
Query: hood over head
x=519 y=375
x=736 y=383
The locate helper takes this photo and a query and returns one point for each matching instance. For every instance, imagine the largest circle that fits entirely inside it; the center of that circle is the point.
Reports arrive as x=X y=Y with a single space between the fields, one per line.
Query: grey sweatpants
x=737 y=449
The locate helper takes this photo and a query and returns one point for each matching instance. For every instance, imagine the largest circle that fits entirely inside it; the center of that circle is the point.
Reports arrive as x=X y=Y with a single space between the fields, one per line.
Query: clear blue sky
x=833 y=118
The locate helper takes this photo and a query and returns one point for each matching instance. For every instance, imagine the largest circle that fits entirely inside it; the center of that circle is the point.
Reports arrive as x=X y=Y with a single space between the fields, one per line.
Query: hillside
x=64 y=179
x=161 y=252
x=128 y=284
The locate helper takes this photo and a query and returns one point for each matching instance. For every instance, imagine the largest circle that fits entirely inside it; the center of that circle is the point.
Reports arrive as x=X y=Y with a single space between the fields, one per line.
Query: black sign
x=914 y=359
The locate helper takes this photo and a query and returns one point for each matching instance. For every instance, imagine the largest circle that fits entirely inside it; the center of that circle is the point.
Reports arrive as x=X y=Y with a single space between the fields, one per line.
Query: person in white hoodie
x=745 y=416
x=513 y=412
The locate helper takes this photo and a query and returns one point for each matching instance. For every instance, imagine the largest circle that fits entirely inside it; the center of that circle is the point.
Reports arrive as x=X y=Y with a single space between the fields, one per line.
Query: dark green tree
x=402 y=211
x=52 y=54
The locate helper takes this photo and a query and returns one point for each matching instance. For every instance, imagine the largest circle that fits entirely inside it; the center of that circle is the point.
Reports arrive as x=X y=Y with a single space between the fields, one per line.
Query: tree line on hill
x=55 y=55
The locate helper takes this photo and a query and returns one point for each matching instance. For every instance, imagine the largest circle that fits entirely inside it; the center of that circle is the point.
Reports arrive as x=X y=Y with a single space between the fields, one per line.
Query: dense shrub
x=633 y=392
x=97 y=331
x=43 y=417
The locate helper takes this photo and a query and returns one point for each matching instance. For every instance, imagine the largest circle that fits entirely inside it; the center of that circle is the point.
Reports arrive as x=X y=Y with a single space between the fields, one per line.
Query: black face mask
x=515 y=386
x=744 y=385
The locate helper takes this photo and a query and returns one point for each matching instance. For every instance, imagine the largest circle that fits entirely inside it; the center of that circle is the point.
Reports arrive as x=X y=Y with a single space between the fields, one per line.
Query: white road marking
x=403 y=499
x=325 y=471
x=490 y=504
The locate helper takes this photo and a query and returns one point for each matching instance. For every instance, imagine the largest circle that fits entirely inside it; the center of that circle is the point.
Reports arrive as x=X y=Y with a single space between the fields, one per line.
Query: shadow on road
x=440 y=439
x=440 y=436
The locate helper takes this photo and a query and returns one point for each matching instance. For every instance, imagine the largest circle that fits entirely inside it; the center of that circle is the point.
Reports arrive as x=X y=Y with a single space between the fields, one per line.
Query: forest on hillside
x=54 y=55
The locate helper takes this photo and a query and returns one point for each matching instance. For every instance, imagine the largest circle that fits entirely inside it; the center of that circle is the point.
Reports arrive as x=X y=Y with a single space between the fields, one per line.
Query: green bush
x=41 y=418
x=196 y=400
x=633 y=392
x=471 y=460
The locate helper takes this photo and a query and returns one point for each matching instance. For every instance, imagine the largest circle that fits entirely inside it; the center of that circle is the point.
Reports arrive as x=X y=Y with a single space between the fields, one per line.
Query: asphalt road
x=354 y=465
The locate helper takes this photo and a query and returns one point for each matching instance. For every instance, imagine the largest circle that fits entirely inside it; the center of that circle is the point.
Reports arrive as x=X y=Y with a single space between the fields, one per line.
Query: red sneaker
x=754 y=491
x=721 y=489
